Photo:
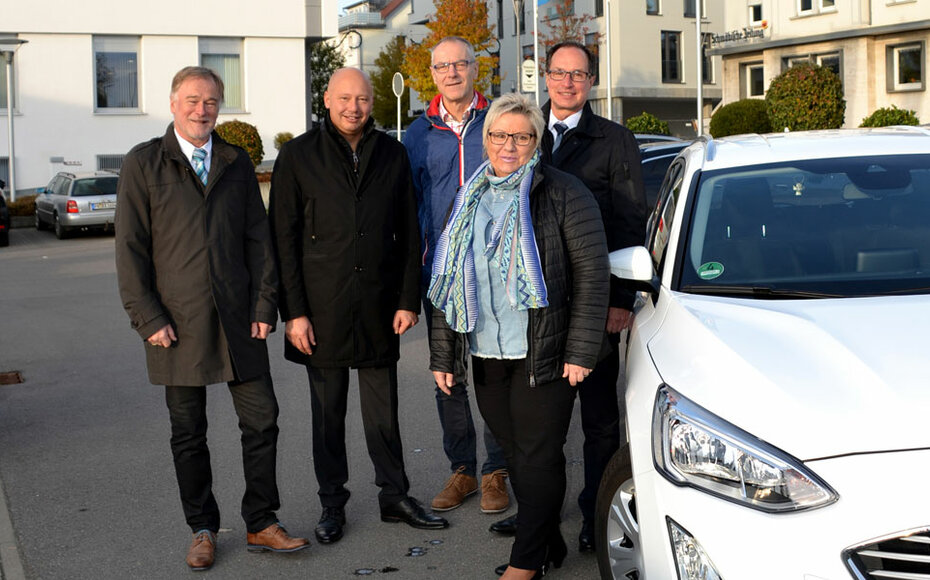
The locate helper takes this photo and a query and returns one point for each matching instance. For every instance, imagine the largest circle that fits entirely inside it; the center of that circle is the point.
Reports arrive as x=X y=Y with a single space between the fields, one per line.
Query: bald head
x=349 y=99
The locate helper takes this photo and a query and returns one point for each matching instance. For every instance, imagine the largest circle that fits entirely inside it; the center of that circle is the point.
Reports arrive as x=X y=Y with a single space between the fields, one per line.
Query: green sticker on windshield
x=710 y=270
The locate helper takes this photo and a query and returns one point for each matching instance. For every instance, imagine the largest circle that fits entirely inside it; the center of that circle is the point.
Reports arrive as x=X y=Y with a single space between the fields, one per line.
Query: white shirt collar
x=571 y=121
x=187 y=148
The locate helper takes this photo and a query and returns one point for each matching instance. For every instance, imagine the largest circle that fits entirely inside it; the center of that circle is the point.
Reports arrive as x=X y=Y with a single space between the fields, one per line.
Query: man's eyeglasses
x=460 y=66
x=578 y=76
x=521 y=139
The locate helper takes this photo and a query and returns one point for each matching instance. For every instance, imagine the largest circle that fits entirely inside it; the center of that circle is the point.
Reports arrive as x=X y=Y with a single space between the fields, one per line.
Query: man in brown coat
x=197 y=278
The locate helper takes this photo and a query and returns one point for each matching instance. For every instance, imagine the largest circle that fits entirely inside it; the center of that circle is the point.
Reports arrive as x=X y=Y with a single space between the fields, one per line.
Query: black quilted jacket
x=573 y=252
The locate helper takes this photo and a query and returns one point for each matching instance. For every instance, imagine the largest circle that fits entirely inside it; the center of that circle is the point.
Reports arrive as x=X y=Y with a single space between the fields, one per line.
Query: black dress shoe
x=505 y=527
x=409 y=511
x=329 y=529
x=586 y=537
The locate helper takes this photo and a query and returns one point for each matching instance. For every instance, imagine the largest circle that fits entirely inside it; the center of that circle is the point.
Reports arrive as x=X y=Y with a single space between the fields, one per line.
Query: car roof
x=88 y=174
x=753 y=149
x=658 y=148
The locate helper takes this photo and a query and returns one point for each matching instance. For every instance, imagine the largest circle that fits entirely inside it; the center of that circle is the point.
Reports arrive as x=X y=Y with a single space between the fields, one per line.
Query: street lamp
x=8 y=48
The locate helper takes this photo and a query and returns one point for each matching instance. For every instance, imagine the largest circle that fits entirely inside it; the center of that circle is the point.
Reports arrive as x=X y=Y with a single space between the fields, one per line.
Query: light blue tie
x=560 y=128
x=198 y=161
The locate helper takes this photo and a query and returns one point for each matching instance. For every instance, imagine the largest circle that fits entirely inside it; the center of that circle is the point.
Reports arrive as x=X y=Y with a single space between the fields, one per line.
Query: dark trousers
x=329 y=389
x=600 y=422
x=257 y=410
x=459 y=440
x=531 y=424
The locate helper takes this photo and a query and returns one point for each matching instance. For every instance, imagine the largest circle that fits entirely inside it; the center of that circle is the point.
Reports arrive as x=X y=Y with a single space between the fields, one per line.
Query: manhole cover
x=11 y=378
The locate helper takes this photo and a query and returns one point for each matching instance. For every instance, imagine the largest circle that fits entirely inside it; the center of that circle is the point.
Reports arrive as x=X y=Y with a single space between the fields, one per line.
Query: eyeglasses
x=460 y=65
x=521 y=139
x=578 y=76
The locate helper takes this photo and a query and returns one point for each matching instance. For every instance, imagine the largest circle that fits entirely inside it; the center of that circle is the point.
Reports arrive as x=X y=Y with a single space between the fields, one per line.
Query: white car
x=778 y=369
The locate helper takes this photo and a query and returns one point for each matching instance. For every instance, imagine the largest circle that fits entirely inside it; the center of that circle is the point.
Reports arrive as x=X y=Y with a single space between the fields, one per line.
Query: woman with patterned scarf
x=520 y=282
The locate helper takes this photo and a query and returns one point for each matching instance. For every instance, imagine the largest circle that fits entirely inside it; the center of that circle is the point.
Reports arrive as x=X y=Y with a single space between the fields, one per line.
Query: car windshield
x=95 y=186
x=820 y=228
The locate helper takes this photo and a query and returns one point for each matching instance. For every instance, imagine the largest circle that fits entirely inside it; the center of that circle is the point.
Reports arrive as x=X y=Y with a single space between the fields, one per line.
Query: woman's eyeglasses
x=521 y=139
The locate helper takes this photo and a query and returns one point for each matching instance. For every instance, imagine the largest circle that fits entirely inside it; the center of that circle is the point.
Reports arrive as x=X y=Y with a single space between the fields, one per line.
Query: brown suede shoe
x=494 y=497
x=458 y=487
x=274 y=538
x=202 y=551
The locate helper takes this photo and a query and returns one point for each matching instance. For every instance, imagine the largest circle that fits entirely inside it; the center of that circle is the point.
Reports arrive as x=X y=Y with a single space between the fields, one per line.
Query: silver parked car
x=77 y=201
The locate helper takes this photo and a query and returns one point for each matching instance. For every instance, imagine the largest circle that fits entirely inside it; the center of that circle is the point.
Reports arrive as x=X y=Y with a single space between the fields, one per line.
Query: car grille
x=900 y=556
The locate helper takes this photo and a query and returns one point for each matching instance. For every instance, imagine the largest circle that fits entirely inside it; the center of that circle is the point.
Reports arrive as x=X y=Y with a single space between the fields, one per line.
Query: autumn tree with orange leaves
x=565 y=25
x=465 y=18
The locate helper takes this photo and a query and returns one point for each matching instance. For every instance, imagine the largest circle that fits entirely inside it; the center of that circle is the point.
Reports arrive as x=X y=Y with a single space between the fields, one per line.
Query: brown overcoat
x=199 y=258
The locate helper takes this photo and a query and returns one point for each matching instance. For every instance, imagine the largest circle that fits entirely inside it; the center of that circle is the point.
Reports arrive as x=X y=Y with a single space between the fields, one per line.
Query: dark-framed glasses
x=460 y=66
x=578 y=76
x=520 y=139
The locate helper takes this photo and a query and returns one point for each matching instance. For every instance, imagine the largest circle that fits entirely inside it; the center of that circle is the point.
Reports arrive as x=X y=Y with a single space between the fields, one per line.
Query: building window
x=3 y=104
x=598 y=8
x=224 y=55
x=905 y=68
x=692 y=5
x=496 y=74
x=828 y=60
x=522 y=21
x=591 y=42
x=116 y=72
x=652 y=7
x=500 y=18
x=827 y=5
x=755 y=15
x=5 y=171
x=110 y=162
x=752 y=81
x=707 y=61
x=671 y=57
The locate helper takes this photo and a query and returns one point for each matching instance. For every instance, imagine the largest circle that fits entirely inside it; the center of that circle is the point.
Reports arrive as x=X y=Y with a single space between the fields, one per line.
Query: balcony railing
x=361 y=20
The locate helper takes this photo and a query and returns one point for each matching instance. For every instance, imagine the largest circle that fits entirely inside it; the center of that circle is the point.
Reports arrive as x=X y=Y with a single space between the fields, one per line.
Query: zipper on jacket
x=313 y=219
x=531 y=351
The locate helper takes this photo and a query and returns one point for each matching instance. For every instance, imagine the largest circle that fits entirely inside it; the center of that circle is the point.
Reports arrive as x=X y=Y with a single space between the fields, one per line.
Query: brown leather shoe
x=202 y=552
x=458 y=487
x=275 y=538
x=494 y=497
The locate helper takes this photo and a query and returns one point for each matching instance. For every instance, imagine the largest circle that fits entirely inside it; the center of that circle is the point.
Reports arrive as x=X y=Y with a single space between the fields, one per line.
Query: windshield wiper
x=755 y=291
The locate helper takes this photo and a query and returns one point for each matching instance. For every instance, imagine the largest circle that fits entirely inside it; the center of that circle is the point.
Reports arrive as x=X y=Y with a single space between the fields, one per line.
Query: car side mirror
x=633 y=265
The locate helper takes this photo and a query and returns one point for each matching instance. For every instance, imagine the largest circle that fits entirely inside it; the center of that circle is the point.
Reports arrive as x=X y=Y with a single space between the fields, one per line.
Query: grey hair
x=518 y=104
x=201 y=72
x=468 y=47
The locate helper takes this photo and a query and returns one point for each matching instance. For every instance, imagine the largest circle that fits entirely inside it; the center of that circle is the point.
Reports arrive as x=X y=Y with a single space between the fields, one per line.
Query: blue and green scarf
x=513 y=246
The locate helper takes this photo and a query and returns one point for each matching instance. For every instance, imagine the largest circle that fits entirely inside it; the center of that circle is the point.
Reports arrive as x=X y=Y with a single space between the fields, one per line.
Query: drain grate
x=11 y=378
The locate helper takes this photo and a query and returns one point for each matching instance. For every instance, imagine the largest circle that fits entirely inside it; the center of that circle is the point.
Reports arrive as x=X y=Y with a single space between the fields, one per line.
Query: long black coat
x=605 y=156
x=573 y=254
x=347 y=244
x=199 y=258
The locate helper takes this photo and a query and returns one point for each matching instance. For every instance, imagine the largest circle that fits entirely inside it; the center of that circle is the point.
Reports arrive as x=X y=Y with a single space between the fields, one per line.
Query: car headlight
x=694 y=447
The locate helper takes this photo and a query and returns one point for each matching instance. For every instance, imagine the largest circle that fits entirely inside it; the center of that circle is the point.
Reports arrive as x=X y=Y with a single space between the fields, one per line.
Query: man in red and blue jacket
x=445 y=148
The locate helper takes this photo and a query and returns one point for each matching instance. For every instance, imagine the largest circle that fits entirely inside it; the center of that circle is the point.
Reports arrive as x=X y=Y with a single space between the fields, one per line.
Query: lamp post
x=517 y=15
x=8 y=47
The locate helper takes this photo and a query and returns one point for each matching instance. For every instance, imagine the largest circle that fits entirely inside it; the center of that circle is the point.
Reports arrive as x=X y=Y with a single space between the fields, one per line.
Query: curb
x=11 y=566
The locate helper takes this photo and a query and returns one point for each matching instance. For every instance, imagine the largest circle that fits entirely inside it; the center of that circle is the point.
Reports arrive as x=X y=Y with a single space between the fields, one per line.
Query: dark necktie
x=560 y=128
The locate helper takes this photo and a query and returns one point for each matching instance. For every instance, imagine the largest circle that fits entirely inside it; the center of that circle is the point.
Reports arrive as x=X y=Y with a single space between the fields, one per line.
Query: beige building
x=877 y=47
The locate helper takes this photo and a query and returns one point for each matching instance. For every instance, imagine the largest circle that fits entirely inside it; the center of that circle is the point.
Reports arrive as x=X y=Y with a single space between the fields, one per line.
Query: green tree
x=465 y=18
x=389 y=61
x=324 y=61
x=805 y=97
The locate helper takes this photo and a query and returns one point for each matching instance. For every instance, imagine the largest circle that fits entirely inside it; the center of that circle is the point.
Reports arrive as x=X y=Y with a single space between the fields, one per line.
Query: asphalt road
x=86 y=468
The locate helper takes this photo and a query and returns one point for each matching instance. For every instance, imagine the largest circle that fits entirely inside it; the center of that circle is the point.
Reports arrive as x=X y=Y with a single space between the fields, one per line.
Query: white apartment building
x=92 y=81
x=877 y=47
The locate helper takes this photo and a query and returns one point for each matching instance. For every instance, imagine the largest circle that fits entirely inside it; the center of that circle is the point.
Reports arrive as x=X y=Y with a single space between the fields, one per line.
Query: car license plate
x=103 y=205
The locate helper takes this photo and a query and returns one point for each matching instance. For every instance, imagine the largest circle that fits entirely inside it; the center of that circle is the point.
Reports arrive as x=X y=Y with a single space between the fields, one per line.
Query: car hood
x=816 y=378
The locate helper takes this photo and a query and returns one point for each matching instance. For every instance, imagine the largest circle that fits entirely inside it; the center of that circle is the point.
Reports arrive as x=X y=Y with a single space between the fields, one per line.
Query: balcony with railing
x=360 y=20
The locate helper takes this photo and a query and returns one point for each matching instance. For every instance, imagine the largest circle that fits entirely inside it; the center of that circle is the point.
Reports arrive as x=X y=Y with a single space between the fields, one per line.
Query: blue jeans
x=459 y=440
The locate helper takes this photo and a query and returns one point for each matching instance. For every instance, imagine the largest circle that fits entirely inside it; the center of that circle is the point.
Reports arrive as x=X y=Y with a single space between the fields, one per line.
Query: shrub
x=805 y=97
x=648 y=124
x=244 y=135
x=885 y=117
x=282 y=138
x=25 y=205
x=746 y=116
